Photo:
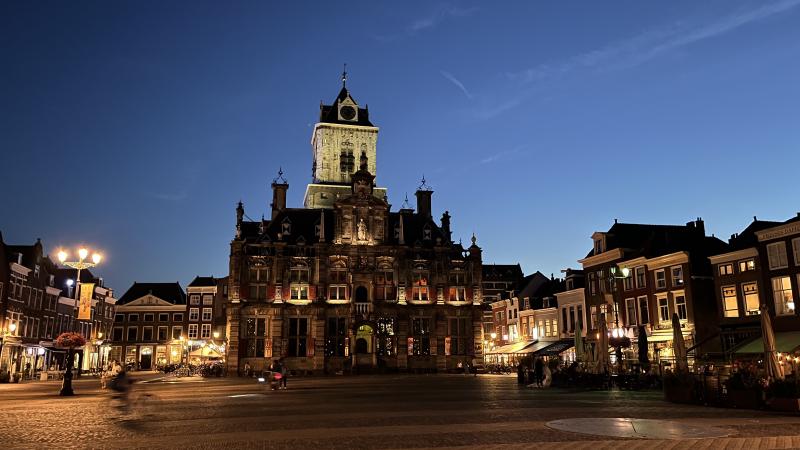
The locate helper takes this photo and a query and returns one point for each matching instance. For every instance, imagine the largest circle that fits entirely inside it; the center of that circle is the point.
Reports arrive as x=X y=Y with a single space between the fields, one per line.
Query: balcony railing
x=362 y=308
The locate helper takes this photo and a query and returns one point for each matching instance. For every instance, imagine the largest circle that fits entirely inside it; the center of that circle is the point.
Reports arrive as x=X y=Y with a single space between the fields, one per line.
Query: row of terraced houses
x=717 y=290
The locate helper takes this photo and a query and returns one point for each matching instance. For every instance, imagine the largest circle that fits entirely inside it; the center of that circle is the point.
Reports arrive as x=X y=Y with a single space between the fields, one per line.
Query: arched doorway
x=364 y=339
x=362 y=296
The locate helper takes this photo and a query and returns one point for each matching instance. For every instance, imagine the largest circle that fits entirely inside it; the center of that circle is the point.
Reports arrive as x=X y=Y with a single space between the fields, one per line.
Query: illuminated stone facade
x=351 y=285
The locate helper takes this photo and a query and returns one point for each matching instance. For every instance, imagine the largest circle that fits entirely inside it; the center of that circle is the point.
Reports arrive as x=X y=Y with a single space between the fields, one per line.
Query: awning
x=205 y=352
x=513 y=349
x=556 y=348
x=785 y=342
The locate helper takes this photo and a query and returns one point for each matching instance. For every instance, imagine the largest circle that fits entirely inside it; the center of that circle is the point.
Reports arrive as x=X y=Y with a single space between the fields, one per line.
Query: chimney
x=239 y=213
x=424 y=203
x=279 y=188
x=278 y=198
x=446 y=226
x=700 y=225
x=19 y=258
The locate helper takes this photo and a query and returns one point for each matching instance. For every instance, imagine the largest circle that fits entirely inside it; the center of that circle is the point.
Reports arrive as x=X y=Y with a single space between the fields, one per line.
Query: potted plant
x=784 y=395
x=70 y=341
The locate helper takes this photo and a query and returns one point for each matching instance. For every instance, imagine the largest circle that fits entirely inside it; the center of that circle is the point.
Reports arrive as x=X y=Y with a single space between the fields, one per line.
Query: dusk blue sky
x=135 y=127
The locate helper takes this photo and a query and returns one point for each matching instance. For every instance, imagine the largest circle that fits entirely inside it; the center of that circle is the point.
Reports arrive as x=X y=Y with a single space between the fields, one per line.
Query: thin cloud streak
x=650 y=44
x=429 y=21
x=451 y=78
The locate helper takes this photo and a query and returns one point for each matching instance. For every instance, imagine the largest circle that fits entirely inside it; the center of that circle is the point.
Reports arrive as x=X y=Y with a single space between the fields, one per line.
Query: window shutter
x=310 y=346
x=312 y=292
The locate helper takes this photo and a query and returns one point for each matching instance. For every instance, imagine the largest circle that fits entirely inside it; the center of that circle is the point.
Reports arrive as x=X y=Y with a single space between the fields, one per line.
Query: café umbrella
x=773 y=367
x=678 y=346
x=642 y=344
x=601 y=353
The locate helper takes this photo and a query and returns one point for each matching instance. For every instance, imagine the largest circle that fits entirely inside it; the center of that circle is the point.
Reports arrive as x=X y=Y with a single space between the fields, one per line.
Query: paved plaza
x=392 y=411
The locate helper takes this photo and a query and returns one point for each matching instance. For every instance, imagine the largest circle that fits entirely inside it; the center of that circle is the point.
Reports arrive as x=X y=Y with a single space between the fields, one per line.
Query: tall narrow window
x=729 y=301
x=644 y=310
x=298 y=336
x=680 y=307
x=751 y=301
x=796 y=251
x=337 y=289
x=640 y=278
x=630 y=308
x=421 y=329
x=663 y=309
x=335 y=335
x=253 y=339
x=782 y=291
x=457 y=291
x=677 y=276
x=299 y=283
x=386 y=336
x=460 y=336
x=661 y=279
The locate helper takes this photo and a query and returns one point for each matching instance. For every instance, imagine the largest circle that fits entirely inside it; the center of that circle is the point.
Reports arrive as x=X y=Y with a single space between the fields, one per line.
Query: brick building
x=150 y=326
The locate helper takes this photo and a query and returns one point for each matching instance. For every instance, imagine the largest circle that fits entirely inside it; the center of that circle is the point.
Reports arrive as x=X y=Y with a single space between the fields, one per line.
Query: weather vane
x=424 y=185
x=280 y=178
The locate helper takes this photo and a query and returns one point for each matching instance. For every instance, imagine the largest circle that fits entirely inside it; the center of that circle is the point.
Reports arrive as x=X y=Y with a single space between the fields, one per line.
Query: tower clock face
x=347 y=112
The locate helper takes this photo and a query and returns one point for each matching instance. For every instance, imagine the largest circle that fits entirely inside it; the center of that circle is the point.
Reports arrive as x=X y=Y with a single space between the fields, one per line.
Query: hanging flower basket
x=70 y=340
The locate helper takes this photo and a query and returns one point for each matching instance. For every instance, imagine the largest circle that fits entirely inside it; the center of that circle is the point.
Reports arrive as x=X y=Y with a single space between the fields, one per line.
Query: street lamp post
x=617 y=335
x=80 y=264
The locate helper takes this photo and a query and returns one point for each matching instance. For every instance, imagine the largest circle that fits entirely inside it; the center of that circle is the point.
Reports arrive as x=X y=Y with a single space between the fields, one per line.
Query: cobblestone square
x=391 y=411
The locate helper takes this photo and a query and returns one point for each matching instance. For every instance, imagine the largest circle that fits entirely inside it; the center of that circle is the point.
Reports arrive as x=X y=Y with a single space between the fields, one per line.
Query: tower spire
x=344 y=76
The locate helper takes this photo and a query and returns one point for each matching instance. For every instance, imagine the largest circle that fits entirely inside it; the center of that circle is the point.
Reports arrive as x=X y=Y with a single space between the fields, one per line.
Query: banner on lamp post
x=85 y=301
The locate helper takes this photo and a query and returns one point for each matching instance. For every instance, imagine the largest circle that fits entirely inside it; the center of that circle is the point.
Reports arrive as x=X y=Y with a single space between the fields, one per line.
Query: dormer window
x=286 y=227
x=598 y=246
x=426 y=233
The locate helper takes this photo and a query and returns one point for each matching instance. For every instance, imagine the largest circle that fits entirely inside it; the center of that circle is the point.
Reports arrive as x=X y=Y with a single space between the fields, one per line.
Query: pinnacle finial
x=423 y=186
x=280 y=177
x=474 y=239
x=344 y=76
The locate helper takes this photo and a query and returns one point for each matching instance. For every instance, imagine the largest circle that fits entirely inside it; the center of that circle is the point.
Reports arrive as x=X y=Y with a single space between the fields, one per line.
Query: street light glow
x=70 y=282
x=83 y=253
x=62 y=256
x=96 y=258
x=13 y=327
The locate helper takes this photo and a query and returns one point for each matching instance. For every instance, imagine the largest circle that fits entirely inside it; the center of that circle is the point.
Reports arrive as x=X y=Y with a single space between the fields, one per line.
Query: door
x=146 y=362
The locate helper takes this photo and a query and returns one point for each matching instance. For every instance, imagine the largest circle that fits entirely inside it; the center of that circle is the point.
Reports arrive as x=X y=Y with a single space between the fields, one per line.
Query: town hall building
x=345 y=283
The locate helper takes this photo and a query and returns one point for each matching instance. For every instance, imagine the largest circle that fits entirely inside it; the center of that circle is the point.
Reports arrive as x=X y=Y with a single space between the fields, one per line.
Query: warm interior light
x=626 y=272
x=83 y=253
x=13 y=327
x=216 y=334
x=493 y=335
x=100 y=334
x=62 y=256
x=96 y=258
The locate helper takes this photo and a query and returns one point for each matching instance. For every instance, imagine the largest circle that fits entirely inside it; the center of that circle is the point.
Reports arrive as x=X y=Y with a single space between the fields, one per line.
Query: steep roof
x=203 y=282
x=330 y=113
x=504 y=272
x=303 y=223
x=650 y=240
x=171 y=292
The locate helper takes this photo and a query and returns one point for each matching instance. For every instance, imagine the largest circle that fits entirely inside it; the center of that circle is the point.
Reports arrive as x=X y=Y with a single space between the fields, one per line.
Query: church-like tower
x=342 y=136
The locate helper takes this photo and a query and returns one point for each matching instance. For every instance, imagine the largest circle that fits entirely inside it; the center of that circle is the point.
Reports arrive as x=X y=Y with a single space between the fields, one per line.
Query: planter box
x=784 y=404
x=679 y=394
x=746 y=399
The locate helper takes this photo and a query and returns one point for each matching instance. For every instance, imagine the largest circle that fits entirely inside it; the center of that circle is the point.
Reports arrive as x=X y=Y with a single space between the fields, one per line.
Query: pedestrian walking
x=284 y=375
x=538 y=371
x=247 y=369
x=520 y=374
